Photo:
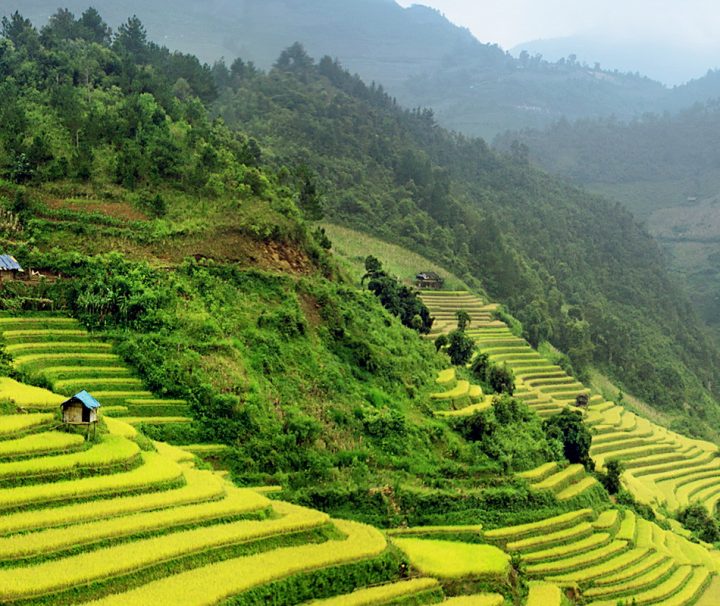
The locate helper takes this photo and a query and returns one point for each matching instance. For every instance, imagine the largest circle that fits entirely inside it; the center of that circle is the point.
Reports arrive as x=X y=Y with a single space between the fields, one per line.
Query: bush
x=501 y=379
x=697 y=519
x=460 y=347
x=568 y=428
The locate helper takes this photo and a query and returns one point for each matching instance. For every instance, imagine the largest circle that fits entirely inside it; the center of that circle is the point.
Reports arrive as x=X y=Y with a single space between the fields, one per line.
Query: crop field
x=452 y=559
x=70 y=359
x=662 y=467
x=148 y=527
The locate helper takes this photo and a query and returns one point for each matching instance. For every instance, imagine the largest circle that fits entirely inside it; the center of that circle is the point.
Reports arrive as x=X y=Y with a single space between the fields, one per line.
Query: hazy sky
x=691 y=23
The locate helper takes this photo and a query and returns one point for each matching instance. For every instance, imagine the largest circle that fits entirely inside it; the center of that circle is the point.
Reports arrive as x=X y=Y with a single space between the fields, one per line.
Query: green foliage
x=568 y=428
x=460 y=347
x=501 y=379
x=696 y=518
x=398 y=299
x=611 y=479
x=463 y=319
x=510 y=433
x=572 y=267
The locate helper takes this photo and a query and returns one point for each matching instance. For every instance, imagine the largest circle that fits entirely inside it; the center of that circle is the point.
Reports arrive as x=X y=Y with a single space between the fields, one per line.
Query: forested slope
x=575 y=268
x=662 y=168
x=416 y=53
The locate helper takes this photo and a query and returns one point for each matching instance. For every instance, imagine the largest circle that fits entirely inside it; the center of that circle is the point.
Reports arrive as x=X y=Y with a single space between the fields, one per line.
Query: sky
x=686 y=23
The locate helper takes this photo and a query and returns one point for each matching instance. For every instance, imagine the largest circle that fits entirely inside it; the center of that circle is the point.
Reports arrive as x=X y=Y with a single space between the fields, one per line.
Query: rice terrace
x=270 y=336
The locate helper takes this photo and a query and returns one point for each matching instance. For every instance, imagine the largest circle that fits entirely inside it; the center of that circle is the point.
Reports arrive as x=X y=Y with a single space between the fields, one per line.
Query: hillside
x=663 y=169
x=538 y=245
x=420 y=57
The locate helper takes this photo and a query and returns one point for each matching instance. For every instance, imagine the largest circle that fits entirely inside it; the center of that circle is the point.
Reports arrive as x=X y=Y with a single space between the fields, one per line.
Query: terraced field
x=148 y=527
x=70 y=359
x=663 y=467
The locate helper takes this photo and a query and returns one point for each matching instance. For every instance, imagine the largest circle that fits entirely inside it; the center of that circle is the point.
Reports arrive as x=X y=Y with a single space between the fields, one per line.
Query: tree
x=463 y=319
x=460 y=347
x=501 y=379
x=309 y=198
x=441 y=342
x=568 y=428
x=614 y=469
x=480 y=365
x=696 y=518
x=131 y=39
x=94 y=29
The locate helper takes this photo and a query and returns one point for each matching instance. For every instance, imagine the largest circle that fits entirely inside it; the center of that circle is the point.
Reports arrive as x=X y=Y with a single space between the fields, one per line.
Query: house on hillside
x=9 y=268
x=429 y=280
x=81 y=409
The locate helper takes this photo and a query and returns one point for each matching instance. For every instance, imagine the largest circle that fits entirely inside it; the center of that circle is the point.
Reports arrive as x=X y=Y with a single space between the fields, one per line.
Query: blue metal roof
x=9 y=263
x=87 y=400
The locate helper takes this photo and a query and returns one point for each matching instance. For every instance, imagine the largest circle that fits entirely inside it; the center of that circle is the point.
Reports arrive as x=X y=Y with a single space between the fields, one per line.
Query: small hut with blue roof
x=81 y=409
x=9 y=267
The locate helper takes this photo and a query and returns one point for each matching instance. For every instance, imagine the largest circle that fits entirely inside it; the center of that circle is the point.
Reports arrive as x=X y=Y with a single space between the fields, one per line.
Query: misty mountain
x=672 y=65
x=665 y=169
x=419 y=57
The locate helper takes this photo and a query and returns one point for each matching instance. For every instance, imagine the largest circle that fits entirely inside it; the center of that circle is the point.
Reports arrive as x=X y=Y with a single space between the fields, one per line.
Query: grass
x=446 y=377
x=353 y=246
x=219 y=581
x=571 y=548
x=482 y=599
x=201 y=486
x=55 y=575
x=576 y=489
x=11 y=425
x=660 y=591
x=574 y=533
x=514 y=533
x=236 y=503
x=380 y=595
x=633 y=570
x=544 y=594
x=605 y=568
x=453 y=560
x=631 y=585
x=562 y=479
x=40 y=443
x=579 y=561
x=113 y=450
x=460 y=390
x=156 y=471
x=627 y=526
x=28 y=395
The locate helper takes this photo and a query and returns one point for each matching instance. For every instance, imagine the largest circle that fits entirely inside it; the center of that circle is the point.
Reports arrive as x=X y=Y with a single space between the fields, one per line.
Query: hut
x=9 y=268
x=430 y=280
x=81 y=409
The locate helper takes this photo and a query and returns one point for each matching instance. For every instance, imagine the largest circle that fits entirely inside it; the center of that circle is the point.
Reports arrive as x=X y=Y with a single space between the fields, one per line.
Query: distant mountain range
x=670 y=64
x=419 y=56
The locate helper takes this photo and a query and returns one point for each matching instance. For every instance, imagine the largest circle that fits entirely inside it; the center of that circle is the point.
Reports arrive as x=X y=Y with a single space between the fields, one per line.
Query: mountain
x=673 y=65
x=664 y=169
x=415 y=53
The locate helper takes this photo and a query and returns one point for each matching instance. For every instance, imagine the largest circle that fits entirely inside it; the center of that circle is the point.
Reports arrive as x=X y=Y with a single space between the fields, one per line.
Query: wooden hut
x=81 y=409
x=430 y=280
x=9 y=268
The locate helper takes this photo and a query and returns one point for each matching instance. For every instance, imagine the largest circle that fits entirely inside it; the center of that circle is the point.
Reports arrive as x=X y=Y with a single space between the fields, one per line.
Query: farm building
x=429 y=279
x=9 y=268
x=81 y=409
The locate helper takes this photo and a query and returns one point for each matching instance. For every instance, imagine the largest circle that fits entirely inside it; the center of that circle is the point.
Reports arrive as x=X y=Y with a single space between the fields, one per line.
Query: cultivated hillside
x=573 y=267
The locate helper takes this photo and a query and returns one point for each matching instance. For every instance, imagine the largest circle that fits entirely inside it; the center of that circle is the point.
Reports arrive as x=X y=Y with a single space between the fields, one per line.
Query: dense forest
x=87 y=108
x=416 y=53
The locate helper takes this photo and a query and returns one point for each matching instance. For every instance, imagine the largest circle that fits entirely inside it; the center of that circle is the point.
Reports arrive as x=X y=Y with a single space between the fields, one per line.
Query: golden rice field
x=148 y=527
